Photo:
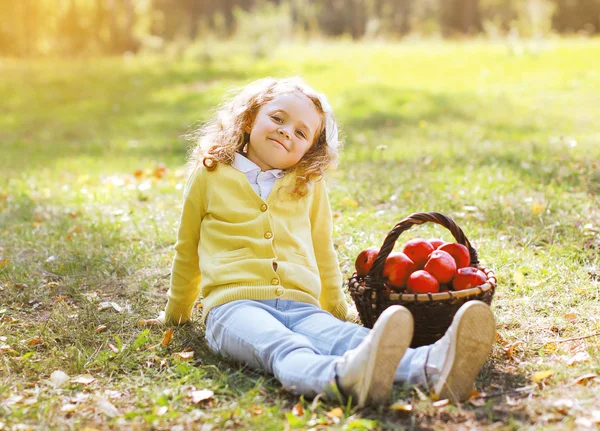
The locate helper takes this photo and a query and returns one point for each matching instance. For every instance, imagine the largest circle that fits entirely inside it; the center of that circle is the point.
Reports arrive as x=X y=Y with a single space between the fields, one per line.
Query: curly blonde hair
x=226 y=133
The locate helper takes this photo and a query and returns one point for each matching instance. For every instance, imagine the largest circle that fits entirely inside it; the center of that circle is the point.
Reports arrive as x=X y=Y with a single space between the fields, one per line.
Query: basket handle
x=376 y=270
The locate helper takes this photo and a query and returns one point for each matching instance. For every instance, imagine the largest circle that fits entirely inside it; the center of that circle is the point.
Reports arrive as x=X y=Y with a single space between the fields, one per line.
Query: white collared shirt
x=261 y=182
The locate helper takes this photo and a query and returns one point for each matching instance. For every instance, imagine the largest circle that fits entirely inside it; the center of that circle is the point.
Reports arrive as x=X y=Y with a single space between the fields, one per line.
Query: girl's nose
x=283 y=133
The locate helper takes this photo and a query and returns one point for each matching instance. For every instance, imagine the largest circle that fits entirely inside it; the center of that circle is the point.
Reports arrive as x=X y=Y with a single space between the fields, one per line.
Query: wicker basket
x=432 y=312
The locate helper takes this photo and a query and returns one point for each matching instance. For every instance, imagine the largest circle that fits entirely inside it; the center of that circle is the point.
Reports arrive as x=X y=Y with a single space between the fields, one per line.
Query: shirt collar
x=245 y=165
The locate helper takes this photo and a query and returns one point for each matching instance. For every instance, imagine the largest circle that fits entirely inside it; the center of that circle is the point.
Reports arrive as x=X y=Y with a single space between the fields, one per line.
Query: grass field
x=502 y=137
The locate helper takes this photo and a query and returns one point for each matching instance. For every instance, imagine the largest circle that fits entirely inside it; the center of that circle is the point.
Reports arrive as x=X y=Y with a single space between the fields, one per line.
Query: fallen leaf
x=570 y=316
x=201 y=395
x=84 y=379
x=59 y=378
x=298 y=410
x=441 y=403
x=563 y=405
x=550 y=347
x=106 y=407
x=510 y=349
x=13 y=399
x=500 y=339
x=584 y=379
x=542 y=375
x=167 y=337
x=256 y=410
x=477 y=402
x=101 y=328
x=578 y=358
x=107 y=305
x=60 y=299
x=68 y=408
x=35 y=340
x=5 y=348
x=21 y=286
x=149 y=322
x=113 y=348
x=335 y=413
x=186 y=356
x=401 y=406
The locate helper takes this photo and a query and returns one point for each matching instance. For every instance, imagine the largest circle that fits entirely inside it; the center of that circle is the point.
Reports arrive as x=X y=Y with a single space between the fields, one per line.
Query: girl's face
x=283 y=131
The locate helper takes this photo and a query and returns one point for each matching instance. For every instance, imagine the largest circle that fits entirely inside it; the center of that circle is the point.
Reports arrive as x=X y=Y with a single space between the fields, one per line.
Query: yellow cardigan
x=233 y=245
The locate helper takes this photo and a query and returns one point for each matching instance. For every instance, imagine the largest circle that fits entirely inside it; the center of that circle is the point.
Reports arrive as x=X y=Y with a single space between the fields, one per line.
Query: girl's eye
x=301 y=134
x=277 y=119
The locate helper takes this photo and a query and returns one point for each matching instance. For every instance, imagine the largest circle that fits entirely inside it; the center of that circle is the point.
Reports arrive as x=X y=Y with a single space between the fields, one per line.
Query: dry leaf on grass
x=542 y=375
x=101 y=328
x=401 y=406
x=5 y=348
x=441 y=403
x=578 y=358
x=149 y=322
x=84 y=379
x=584 y=379
x=201 y=395
x=335 y=413
x=256 y=410
x=35 y=340
x=68 y=408
x=106 y=407
x=107 y=305
x=185 y=355
x=167 y=337
x=59 y=378
x=298 y=410
x=509 y=350
x=113 y=348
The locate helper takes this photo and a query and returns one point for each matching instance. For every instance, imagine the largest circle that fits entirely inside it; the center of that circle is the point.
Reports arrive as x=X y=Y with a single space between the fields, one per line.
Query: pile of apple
x=424 y=266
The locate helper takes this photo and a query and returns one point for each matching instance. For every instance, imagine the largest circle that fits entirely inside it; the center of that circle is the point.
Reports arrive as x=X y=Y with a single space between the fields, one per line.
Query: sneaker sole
x=470 y=347
x=390 y=343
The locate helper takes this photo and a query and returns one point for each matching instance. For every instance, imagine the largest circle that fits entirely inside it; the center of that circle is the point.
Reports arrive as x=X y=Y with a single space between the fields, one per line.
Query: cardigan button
x=268 y=235
x=275 y=281
x=279 y=291
x=263 y=207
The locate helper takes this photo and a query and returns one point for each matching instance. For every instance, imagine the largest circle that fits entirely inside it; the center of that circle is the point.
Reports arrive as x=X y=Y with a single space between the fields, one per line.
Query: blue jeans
x=299 y=343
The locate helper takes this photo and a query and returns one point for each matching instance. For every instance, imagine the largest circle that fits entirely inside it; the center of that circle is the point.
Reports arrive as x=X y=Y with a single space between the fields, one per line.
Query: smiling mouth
x=278 y=142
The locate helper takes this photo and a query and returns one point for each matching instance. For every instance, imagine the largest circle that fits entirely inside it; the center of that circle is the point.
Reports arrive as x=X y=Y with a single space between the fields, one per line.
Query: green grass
x=503 y=138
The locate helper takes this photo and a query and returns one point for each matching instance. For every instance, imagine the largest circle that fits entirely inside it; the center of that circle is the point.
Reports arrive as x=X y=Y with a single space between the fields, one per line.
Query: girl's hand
x=160 y=320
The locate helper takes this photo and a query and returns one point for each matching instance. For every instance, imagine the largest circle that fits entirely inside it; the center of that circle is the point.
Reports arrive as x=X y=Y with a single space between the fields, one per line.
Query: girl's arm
x=332 y=297
x=185 y=273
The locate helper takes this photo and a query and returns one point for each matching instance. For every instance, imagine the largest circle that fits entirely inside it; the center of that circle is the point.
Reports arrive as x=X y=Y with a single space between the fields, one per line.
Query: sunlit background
x=83 y=27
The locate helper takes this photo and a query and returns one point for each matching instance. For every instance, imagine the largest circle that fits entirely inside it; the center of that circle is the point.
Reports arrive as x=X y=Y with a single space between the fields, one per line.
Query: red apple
x=396 y=269
x=418 y=250
x=459 y=252
x=365 y=260
x=441 y=265
x=468 y=277
x=422 y=282
x=436 y=242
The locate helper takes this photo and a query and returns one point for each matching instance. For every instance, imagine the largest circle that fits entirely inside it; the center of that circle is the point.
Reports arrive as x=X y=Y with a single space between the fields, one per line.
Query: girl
x=255 y=240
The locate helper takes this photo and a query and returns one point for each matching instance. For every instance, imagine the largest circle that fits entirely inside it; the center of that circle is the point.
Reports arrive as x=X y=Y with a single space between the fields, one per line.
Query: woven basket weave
x=432 y=312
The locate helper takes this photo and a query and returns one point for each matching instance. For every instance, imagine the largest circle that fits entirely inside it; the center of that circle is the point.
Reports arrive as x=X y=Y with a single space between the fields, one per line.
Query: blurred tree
x=460 y=16
x=75 y=27
x=577 y=15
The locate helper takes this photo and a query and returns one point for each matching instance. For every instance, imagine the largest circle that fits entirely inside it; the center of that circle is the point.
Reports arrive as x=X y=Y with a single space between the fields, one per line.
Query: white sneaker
x=454 y=361
x=367 y=372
